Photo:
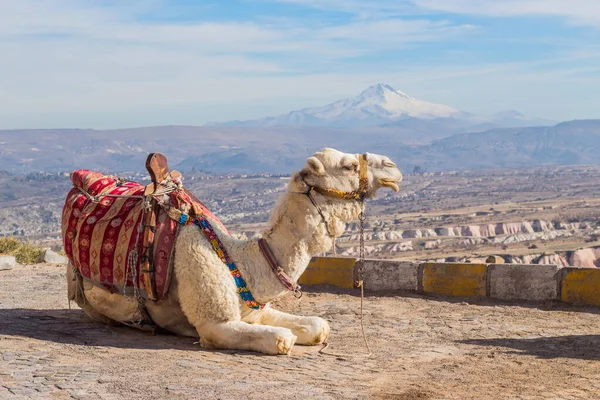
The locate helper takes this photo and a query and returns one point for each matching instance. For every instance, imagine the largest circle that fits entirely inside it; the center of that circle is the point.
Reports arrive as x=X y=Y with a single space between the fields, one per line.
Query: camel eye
x=350 y=167
x=388 y=163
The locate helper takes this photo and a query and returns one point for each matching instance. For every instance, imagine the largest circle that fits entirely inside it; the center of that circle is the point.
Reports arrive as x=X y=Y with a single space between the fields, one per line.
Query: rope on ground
x=344 y=357
x=362 y=324
x=359 y=283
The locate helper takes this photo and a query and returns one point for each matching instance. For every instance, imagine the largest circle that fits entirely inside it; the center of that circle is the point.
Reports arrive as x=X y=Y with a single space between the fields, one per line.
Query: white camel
x=203 y=300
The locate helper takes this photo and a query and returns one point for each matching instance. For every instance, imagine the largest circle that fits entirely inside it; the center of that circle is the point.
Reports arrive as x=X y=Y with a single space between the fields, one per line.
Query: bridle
x=359 y=194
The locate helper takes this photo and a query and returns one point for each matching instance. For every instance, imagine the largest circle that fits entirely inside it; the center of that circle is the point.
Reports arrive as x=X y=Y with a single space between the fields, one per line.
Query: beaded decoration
x=184 y=219
x=214 y=240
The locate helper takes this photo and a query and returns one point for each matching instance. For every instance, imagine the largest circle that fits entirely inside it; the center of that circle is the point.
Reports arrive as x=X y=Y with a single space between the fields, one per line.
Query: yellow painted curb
x=335 y=271
x=455 y=279
x=581 y=286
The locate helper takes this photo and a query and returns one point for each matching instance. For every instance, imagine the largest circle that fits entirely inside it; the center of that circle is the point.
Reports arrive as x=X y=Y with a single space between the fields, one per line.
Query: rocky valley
x=533 y=215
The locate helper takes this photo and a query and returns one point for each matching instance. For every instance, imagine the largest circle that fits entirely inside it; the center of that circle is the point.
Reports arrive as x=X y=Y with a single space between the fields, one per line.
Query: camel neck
x=297 y=233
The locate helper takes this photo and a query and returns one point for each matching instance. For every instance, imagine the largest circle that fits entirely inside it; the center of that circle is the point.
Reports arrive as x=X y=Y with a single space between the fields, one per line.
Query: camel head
x=385 y=172
x=337 y=171
x=331 y=181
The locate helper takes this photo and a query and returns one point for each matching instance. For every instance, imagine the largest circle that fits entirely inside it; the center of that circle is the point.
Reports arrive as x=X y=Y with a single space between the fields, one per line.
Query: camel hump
x=89 y=181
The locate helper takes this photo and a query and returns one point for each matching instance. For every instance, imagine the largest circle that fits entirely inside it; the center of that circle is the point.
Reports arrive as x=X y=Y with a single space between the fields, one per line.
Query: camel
x=203 y=300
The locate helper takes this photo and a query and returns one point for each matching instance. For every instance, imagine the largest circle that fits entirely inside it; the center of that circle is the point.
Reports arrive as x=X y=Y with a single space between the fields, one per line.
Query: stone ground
x=423 y=348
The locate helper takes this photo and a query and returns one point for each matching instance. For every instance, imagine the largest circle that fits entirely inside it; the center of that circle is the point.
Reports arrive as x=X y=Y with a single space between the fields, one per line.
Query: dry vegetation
x=24 y=252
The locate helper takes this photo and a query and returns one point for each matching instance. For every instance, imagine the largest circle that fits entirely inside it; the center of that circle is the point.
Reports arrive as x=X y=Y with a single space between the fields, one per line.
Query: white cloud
x=584 y=12
x=395 y=31
x=74 y=61
x=83 y=22
x=76 y=56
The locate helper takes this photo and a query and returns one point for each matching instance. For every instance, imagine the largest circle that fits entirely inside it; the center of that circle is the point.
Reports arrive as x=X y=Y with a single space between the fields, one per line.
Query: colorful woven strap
x=214 y=240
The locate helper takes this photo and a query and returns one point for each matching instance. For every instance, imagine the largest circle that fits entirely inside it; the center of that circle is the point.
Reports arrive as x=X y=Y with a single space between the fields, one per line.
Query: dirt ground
x=423 y=348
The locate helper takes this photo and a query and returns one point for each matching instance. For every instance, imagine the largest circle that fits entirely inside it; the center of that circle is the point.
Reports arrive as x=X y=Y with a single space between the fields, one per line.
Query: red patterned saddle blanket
x=103 y=228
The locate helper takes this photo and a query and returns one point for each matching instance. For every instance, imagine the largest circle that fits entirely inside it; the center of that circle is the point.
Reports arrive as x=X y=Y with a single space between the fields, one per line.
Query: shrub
x=24 y=252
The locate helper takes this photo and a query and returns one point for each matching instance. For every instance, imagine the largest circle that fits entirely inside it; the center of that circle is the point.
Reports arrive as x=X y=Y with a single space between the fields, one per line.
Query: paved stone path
x=423 y=348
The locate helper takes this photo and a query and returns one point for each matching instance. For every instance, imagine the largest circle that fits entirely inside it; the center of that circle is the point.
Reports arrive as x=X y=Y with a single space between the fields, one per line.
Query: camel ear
x=315 y=166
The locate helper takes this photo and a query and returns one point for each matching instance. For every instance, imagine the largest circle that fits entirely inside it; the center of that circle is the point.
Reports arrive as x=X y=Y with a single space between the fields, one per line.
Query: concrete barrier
x=499 y=281
x=523 y=282
x=580 y=286
x=391 y=275
x=450 y=279
x=337 y=271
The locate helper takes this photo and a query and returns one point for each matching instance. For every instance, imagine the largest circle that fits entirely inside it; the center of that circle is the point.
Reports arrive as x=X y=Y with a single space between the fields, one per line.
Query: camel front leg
x=309 y=330
x=238 y=335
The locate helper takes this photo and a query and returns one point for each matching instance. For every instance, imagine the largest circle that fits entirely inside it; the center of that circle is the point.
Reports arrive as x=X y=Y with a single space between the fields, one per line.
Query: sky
x=126 y=63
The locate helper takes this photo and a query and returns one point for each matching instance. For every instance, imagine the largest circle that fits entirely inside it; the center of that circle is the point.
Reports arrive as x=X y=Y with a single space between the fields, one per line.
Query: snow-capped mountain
x=382 y=105
x=379 y=104
x=380 y=101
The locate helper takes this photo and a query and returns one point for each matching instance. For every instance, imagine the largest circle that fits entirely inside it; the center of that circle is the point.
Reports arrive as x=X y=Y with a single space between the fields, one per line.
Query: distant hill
x=284 y=149
x=568 y=143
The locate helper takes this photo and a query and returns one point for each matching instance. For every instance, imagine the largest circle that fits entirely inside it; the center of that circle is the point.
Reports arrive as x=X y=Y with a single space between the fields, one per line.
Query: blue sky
x=124 y=63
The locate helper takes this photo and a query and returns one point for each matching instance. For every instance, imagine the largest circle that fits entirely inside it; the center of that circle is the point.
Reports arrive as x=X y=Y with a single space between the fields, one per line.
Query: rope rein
x=360 y=274
x=358 y=283
x=359 y=195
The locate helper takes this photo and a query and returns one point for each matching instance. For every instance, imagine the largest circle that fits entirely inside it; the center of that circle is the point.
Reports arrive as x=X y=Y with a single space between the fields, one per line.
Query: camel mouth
x=391 y=183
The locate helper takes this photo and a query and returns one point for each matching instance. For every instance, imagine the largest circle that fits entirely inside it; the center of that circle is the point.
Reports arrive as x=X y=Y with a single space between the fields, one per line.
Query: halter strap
x=358 y=194
x=284 y=278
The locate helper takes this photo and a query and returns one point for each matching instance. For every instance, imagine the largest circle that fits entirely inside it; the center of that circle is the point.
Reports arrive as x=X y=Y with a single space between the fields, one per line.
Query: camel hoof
x=285 y=343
